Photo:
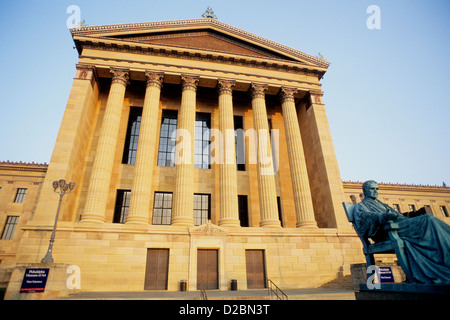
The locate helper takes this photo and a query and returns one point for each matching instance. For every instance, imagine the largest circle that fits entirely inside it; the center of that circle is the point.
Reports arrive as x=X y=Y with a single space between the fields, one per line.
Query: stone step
x=293 y=294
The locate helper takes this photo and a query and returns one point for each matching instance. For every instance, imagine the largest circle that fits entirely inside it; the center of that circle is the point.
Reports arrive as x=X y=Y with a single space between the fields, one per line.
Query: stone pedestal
x=404 y=291
x=56 y=282
x=359 y=275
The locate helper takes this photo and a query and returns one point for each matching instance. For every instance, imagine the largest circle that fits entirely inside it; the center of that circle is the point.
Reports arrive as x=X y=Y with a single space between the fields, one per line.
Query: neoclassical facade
x=201 y=154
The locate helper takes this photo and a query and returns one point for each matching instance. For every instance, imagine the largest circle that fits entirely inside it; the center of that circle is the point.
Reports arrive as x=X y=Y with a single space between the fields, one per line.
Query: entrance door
x=207 y=269
x=256 y=276
x=157 y=269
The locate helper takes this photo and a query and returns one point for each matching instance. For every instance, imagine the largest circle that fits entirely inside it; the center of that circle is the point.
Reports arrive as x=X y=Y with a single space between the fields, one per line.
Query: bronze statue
x=427 y=239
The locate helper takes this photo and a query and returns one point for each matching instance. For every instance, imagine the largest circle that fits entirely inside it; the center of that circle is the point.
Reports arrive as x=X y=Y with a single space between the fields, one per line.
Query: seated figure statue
x=427 y=239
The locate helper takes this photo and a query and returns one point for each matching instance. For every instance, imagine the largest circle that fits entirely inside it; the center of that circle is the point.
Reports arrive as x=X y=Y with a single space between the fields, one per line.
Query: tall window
x=122 y=206
x=273 y=145
x=162 y=208
x=411 y=207
x=444 y=211
x=397 y=207
x=10 y=227
x=167 y=139
x=20 y=195
x=202 y=204
x=280 y=214
x=243 y=210
x=239 y=139
x=131 y=140
x=202 y=141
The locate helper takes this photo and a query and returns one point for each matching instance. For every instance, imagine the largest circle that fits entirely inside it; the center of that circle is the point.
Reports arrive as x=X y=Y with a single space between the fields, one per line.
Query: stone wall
x=112 y=257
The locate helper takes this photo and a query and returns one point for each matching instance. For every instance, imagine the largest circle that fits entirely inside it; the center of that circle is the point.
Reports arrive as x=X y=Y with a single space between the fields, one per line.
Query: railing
x=203 y=295
x=274 y=291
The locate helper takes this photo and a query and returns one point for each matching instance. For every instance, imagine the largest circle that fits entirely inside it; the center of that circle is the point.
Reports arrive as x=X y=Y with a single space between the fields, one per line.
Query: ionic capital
x=154 y=79
x=225 y=86
x=120 y=75
x=258 y=90
x=287 y=94
x=189 y=82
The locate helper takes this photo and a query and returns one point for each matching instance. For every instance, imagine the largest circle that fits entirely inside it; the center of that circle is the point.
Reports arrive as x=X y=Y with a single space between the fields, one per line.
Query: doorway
x=207 y=269
x=256 y=275
x=157 y=269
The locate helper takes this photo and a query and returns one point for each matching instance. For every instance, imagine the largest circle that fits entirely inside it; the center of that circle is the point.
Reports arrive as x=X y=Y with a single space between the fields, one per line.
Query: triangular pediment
x=199 y=35
x=205 y=39
x=208 y=229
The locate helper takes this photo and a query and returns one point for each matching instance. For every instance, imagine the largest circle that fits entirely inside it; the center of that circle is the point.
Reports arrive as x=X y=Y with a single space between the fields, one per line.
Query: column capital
x=120 y=75
x=154 y=79
x=189 y=82
x=258 y=90
x=287 y=94
x=86 y=72
x=316 y=97
x=225 y=86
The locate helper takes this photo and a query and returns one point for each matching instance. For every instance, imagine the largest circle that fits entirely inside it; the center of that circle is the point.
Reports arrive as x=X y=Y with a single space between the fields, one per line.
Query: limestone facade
x=288 y=191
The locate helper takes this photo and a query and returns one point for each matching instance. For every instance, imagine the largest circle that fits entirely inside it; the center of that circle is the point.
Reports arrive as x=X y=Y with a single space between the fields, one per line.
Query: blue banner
x=34 y=280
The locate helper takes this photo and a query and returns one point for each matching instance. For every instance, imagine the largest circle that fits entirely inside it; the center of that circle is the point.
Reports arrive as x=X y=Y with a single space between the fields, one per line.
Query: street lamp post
x=62 y=188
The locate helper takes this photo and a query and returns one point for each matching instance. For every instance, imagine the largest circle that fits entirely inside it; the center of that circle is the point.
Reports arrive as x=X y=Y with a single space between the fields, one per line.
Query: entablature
x=208 y=77
x=196 y=56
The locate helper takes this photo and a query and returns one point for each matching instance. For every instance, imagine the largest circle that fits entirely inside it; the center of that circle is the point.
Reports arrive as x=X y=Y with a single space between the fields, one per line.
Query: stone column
x=297 y=163
x=229 y=213
x=266 y=178
x=143 y=169
x=97 y=195
x=183 y=197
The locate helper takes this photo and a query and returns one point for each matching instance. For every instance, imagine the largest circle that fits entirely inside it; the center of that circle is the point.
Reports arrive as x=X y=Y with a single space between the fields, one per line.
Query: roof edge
x=396 y=184
x=92 y=30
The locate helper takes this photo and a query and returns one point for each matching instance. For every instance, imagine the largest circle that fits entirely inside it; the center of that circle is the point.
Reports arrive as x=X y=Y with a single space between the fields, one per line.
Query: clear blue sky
x=387 y=91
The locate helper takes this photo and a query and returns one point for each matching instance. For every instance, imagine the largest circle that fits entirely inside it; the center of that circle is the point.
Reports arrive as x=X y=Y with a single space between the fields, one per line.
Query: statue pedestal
x=404 y=291
x=55 y=286
x=359 y=274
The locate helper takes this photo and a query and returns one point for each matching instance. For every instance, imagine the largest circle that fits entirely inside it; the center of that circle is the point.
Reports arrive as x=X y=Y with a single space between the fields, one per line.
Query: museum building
x=202 y=155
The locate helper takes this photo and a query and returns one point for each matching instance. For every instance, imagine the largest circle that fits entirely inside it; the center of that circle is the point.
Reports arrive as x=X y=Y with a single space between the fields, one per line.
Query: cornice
x=23 y=166
x=389 y=185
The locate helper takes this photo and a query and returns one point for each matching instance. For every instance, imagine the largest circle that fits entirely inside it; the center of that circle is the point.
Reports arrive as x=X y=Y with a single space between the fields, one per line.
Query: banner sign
x=34 y=280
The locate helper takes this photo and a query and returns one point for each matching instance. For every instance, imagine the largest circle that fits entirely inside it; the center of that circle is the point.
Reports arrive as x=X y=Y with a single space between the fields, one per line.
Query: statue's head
x=370 y=189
